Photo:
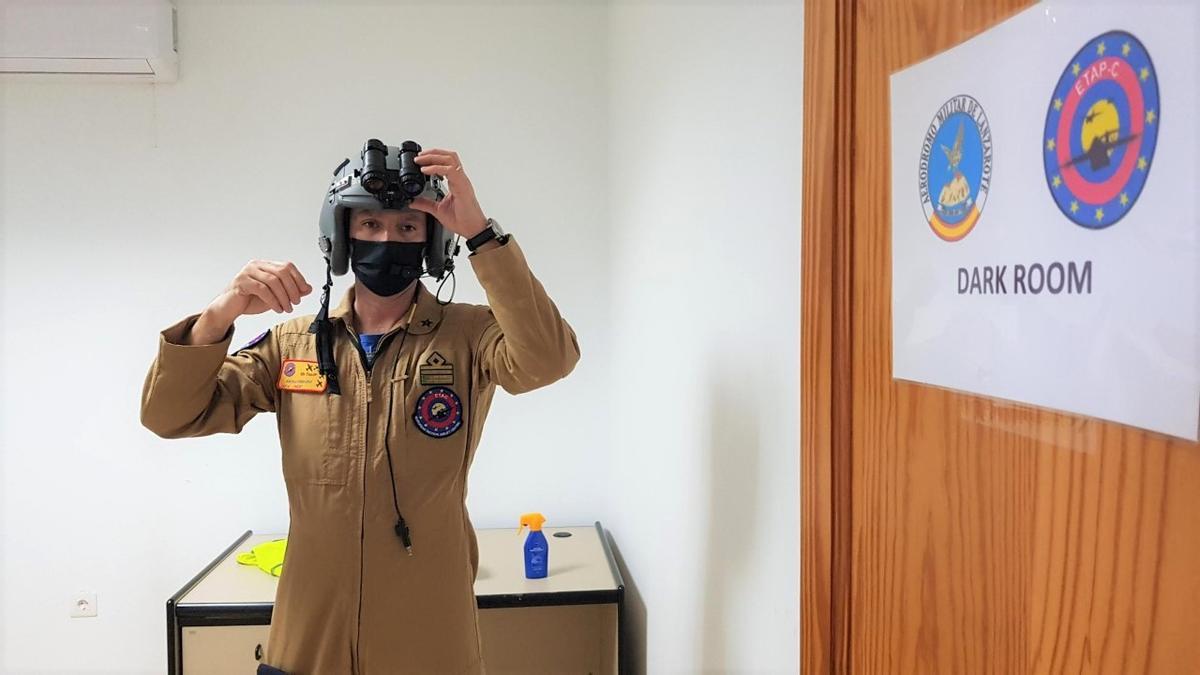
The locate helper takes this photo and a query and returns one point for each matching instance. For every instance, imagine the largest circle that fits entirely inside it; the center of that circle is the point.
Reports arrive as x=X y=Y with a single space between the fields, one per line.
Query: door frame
x=825 y=336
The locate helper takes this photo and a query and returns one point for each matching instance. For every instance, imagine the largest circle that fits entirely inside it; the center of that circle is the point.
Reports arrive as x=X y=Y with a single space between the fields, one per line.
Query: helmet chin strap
x=324 y=332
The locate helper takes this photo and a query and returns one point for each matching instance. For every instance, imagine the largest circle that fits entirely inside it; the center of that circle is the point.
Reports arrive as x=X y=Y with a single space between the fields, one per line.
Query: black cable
x=454 y=279
x=402 y=530
x=453 y=289
x=401 y=526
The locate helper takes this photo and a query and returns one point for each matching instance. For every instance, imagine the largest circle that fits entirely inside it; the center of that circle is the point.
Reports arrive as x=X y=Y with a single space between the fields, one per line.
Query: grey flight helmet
x=382 y=177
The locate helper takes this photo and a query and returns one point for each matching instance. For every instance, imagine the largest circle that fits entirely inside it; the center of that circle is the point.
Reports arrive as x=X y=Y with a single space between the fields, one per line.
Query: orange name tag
x=297 y=375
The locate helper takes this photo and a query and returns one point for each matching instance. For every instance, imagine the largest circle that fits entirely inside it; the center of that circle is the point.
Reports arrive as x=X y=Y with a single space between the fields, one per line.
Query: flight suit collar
x=425 y=319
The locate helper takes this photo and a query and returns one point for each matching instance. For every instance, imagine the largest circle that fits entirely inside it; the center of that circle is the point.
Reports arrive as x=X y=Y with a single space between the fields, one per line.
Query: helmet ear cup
x=439 y=253
x=339 y=256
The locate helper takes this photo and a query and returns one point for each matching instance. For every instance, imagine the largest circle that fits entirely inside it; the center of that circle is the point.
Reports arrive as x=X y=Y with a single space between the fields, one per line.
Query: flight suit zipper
x=362 y=525
x=366 y=373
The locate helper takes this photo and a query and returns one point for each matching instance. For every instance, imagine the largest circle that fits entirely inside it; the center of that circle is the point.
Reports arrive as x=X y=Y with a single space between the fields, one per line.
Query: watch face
x=496 y=226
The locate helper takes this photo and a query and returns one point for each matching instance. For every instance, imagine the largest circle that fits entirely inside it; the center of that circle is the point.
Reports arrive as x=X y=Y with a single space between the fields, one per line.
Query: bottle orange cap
x=533 y=520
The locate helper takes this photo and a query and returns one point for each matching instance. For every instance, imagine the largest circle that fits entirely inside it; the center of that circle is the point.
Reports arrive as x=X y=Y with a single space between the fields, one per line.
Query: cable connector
x=402 y=532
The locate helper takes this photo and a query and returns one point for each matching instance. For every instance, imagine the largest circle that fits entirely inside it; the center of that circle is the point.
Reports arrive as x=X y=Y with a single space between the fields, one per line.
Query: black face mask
x=386 y=267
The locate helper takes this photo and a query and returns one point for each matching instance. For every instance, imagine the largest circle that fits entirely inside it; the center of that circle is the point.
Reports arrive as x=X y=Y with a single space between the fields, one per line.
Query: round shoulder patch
x=259 y=338
x=439 y=412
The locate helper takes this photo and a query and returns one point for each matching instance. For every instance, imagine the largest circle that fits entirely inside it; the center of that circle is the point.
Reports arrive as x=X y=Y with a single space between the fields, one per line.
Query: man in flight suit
x=381 y=555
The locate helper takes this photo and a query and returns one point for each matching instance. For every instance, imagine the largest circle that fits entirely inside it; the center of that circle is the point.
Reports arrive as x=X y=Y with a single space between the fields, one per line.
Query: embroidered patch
x=439 y=412
x=261 y=336
x=437 y=371
x=299 y=375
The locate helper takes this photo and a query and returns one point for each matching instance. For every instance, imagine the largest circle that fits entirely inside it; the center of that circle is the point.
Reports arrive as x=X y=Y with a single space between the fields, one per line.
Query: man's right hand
x=259 y=286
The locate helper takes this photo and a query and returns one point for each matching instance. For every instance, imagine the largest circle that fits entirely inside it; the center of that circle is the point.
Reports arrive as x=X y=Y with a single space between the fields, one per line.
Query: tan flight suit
x=350 y=599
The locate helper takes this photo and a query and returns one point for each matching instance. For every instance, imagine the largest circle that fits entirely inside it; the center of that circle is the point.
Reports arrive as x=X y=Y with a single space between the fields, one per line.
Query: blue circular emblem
x=955 y=173
x=1101 y=130
x=439 y=412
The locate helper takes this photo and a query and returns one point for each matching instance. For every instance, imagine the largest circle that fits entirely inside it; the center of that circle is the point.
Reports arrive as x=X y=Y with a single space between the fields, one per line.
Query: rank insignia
x=436 y=371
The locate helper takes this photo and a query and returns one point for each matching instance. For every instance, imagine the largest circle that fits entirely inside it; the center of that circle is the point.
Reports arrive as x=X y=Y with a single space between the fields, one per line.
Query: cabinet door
x=221 y=650
x=550 y=640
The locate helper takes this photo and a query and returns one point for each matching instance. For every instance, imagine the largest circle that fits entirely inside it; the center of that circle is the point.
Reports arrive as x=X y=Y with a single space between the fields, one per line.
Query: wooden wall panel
x=942 y=532
x=936 y=556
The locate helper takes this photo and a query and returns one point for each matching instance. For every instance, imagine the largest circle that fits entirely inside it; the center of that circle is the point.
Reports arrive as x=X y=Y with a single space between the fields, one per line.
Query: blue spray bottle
x=537 y=550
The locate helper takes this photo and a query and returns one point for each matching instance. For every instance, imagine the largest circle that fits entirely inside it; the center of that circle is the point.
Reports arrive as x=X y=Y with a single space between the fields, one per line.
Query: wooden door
x=943 y=532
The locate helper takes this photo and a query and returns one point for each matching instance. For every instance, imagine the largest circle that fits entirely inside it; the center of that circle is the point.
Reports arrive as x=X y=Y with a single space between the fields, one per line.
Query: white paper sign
x=1046 y=214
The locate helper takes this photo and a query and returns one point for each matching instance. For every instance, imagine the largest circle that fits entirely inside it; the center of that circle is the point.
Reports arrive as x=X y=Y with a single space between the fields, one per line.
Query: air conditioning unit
x=125 y=40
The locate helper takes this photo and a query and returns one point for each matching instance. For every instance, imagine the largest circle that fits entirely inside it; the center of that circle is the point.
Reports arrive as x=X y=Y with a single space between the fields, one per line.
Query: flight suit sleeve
x=197 y=390
x=524 y=343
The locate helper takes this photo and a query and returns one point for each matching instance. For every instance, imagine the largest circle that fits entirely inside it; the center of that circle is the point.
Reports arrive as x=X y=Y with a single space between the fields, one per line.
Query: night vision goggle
x=382 y=177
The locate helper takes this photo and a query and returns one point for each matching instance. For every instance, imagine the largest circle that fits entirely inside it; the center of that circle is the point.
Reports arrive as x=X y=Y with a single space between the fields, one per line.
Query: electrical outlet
x=84 y=604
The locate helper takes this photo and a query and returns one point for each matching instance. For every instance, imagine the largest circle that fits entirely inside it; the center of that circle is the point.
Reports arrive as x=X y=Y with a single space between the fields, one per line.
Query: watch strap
x=482 y=238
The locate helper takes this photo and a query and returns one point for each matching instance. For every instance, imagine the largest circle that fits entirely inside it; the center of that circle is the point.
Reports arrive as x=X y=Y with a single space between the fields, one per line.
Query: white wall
x=166 y=192
x=705 y=127
x=602 y=134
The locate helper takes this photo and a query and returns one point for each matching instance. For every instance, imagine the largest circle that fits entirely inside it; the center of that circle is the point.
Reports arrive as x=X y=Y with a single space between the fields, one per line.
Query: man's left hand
x=459 y=210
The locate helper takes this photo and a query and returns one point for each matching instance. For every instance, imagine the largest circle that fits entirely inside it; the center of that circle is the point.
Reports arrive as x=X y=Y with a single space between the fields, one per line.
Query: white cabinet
x=569 y=622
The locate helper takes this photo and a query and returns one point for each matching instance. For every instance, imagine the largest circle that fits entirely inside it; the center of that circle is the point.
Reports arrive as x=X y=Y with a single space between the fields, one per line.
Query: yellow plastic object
x=532 y=520
x=267 y=556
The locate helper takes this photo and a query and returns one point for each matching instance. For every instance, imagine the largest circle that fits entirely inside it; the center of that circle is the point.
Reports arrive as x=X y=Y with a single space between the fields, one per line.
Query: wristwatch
x=492 y=231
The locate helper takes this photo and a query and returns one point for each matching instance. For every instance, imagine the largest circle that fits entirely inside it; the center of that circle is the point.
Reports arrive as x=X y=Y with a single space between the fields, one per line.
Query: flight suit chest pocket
x=312 y=433
x=436 y=427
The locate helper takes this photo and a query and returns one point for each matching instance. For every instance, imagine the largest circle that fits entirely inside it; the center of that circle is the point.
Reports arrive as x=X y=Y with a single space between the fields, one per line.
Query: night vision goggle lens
x=374 y=157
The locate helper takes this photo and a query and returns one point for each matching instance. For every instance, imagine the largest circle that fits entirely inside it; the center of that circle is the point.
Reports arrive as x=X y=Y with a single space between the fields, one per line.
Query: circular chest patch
x=439 y=412
x=1101 y=130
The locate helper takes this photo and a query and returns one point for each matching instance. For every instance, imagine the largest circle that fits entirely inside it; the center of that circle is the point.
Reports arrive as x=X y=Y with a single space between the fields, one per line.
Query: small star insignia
x=1142 y=164
x=426 y=323
x=1144 y=73
x=1058 y=104
x=1150 y=117
x=1057 y=181
x=1124 y=199
x=1125 y=49
x=1099 y=215
x=1074 y=207
x=1050 y=144
x=1075 y=69
x=1100 y=49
